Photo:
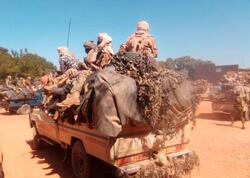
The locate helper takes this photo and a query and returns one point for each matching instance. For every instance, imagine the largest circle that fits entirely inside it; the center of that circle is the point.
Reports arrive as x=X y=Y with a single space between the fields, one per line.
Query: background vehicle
x=223 y=99
x=22 y=106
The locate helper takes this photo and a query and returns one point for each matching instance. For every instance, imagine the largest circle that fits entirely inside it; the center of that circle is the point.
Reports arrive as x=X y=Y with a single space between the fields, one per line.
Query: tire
x=36 y=142
x=80 y=161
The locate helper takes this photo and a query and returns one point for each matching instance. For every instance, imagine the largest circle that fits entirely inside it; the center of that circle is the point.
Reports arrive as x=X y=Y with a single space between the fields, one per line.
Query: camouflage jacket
x=142 y=43
x=66 y=62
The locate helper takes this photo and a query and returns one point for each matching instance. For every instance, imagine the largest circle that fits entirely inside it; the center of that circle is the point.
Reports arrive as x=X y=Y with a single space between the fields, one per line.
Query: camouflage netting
x=200 y=86
x=164 y=96
x=248 y=78
x=245 y=78
x=175 y=168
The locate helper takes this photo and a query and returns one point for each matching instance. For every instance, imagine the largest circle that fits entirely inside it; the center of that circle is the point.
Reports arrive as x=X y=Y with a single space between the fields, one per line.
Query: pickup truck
x=222 y=99
x=23 y=105
x=133 y=151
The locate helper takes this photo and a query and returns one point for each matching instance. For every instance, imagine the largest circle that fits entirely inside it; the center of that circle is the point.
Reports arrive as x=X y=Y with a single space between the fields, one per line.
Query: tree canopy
x=185 y=64
x=23 y=64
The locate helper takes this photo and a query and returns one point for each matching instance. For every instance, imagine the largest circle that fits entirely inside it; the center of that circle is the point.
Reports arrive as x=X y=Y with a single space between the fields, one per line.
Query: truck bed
x=135 y=144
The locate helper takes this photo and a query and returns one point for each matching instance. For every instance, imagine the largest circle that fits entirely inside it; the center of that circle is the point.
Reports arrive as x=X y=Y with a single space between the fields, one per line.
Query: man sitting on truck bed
x=104 y=54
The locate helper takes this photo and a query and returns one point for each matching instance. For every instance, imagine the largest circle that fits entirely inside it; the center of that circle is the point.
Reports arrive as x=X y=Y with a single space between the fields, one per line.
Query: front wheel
x=36 y=142
x=80 y=161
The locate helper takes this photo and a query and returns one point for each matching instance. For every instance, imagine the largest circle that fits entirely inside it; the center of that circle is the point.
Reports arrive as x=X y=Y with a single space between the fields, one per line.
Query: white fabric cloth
x=105 y=43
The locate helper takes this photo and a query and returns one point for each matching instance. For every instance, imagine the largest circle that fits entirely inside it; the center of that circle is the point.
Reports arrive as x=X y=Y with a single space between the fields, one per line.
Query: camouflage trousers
x=80 y=80
x=70 y=73
x=61 y=80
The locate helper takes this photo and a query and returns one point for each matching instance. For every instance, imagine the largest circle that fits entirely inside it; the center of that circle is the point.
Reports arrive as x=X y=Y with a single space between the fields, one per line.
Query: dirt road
x=224 y=152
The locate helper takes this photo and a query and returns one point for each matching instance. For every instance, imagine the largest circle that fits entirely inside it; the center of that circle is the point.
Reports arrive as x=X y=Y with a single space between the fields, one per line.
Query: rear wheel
x=80 y=161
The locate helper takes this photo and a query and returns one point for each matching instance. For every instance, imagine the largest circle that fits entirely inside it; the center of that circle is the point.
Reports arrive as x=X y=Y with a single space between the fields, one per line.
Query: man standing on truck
x=142 y=41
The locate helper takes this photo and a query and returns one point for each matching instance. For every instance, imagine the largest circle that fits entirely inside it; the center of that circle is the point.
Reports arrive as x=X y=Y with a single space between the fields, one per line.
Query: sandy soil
x=224 y=151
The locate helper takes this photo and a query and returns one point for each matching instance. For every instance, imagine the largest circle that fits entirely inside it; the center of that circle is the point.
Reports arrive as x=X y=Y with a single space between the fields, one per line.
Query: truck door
x=49 y=127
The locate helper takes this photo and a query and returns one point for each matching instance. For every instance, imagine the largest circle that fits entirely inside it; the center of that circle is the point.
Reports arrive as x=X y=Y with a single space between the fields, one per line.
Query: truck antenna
x=68 y=32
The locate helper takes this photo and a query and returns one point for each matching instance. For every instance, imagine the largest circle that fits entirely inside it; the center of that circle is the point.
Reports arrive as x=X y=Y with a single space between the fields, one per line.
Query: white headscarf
x=64 y=51
x=142 y=27
x=105 y=43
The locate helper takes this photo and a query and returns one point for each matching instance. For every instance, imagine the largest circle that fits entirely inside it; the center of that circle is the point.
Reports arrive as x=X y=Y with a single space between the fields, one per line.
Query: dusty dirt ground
x=224 y=151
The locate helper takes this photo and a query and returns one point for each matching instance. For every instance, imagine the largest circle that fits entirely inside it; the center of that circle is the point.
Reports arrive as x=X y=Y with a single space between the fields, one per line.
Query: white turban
x=64 y=51
x=104 y=38
x=142 y=26
x=105 y=42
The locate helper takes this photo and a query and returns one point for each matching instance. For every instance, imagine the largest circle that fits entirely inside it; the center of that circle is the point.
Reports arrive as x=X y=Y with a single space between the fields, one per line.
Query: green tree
x=8 y=65
x=34 y=65
x=186 y=64
x=23 y=63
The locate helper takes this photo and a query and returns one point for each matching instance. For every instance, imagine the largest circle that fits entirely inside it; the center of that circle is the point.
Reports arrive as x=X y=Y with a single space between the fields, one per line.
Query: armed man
x=141 y=41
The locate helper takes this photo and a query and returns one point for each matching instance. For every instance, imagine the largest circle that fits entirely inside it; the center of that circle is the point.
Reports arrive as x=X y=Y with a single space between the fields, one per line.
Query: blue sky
x=217 y=30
